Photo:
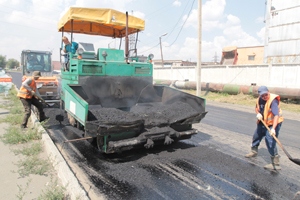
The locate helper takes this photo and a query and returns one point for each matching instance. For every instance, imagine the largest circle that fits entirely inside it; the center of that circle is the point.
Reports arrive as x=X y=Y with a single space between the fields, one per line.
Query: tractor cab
x=33 y=60
x=36 y=61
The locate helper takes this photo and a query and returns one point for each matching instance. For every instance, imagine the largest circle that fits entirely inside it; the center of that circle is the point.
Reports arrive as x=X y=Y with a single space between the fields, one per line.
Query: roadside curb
x=64 y=172
x=69 y=180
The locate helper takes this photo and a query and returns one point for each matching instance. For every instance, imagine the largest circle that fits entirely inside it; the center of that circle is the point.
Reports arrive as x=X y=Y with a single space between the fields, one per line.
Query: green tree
x=2 y=61
x=12 y=63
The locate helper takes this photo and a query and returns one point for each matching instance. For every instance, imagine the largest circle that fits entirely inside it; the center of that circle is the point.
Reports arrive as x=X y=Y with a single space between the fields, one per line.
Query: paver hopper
x=114 y=100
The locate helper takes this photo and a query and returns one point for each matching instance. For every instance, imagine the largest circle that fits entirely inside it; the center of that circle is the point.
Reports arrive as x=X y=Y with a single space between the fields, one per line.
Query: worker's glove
x=273 y=133
x=33 y=92
x=259 y=116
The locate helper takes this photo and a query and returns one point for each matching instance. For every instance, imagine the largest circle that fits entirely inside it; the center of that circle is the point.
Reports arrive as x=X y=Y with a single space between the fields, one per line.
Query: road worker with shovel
x=29 y=94
x=268 y=110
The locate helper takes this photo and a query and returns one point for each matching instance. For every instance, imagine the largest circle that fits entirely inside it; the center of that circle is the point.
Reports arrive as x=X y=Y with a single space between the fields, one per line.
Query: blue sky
x=32 y=24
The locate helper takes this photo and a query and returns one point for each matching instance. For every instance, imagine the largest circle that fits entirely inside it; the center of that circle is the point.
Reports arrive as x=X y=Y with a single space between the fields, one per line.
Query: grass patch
x=23 y=191
x=17 y=109
x=13 y=119
x=33 y=165
x=53 y=191
x=15 y=135
x=32 y=150
x=14 y=105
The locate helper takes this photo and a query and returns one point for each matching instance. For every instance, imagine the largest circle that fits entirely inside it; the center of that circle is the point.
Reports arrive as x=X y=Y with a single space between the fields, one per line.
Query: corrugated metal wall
x=282 y=39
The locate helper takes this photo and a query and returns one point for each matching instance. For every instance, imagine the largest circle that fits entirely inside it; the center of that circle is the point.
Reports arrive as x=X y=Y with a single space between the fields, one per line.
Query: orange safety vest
x=268 y=115
x=24 y=93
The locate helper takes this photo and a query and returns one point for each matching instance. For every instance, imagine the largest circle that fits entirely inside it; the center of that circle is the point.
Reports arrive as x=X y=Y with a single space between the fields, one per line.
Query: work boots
x=275 y=164
x=253 y=152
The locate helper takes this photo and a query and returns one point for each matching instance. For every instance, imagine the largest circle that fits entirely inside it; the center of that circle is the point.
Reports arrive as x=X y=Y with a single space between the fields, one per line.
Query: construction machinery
x=48 y=84
x=113 y=99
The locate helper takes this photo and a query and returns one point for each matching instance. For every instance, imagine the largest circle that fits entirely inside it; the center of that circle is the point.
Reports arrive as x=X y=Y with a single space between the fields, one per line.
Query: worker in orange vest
x=267 y=109
x=27 y=94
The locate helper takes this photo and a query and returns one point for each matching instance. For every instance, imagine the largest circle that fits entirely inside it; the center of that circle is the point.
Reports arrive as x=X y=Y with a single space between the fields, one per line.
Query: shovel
x=297 y=161
x=43 y=100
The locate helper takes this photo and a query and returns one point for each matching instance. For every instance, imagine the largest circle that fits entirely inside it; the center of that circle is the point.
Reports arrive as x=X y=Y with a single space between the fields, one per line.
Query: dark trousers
x=260 y=132
x=27 y=107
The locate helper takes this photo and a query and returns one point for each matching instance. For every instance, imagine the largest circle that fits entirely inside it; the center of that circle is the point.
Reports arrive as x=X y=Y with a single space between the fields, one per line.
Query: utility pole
x=162 y=60
x=198 y=79
x=132 y=42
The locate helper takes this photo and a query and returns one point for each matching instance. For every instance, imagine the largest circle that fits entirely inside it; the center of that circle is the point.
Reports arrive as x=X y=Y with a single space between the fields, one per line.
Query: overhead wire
x=175 y=27
x=179 y=19
x=183 y=24
x=167 y=5
x=158 y=10
x=149 y=48
x=169 y=32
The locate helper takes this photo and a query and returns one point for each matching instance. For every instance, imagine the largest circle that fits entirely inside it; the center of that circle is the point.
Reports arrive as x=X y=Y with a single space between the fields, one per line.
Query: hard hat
x=36 y=74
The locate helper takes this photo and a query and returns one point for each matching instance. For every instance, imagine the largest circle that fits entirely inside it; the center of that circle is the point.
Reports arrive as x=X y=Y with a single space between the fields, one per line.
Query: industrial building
x=282 y=38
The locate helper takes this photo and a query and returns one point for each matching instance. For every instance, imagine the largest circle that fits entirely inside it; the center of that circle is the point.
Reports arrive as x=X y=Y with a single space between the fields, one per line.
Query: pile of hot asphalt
x=150 y=114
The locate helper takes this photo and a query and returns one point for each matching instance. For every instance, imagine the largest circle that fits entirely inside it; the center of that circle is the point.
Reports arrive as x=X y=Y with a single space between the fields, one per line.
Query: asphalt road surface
x=210 y=165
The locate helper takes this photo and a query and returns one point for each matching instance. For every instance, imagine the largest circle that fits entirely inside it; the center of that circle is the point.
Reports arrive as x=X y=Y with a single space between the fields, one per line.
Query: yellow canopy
x=99 y=21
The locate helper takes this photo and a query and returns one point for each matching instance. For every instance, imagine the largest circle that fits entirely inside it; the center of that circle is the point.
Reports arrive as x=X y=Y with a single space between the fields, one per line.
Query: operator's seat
x=88 y=50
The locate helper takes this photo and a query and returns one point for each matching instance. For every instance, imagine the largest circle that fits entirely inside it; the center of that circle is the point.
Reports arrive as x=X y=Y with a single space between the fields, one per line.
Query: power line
x=171 y=30
x=159 y=9
x=150 y=48
x=183 y=24
x=179 y=19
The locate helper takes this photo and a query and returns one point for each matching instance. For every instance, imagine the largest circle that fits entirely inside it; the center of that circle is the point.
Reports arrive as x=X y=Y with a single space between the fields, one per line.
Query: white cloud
x=14 y=2
x=237 y=37
x=138 y=14
x=213 y=10
x=189 y=51
x=260 y=20
x=11 y=43
x=177 y=3
x=231 y=32
x=30 y=19
x=212 y=14
x=118 y=5
x=232 y=20
x=261 y=34
x=208 y=49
